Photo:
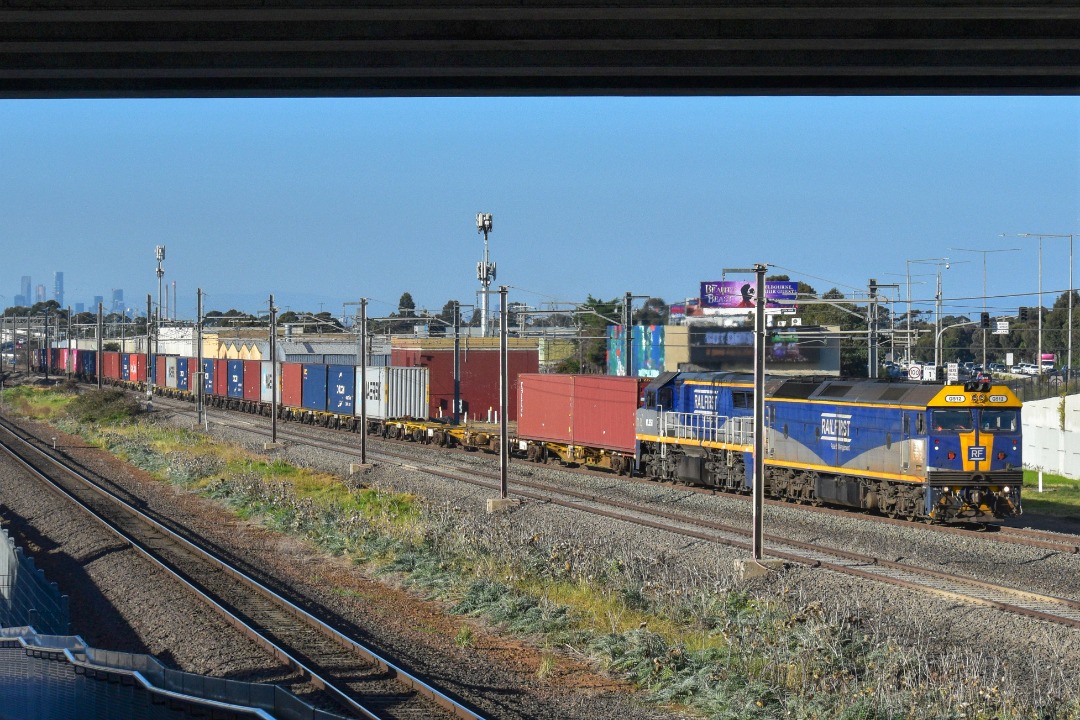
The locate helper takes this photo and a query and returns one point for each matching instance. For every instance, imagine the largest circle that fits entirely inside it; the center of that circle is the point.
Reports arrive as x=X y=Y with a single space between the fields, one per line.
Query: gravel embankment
x=118 y=603
x=944 y=628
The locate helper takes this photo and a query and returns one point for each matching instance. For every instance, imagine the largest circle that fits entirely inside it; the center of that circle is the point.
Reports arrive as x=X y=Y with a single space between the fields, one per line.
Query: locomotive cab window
x=951 y=420
x=741 y=399
x=999 y=420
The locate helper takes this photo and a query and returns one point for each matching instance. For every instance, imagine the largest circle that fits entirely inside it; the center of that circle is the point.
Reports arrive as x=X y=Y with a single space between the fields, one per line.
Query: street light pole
x=984 y=254
x=937 y=314
x=1048 y=235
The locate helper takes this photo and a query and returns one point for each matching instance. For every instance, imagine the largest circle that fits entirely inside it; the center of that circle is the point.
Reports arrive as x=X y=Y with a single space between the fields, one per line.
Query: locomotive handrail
x=707 y=428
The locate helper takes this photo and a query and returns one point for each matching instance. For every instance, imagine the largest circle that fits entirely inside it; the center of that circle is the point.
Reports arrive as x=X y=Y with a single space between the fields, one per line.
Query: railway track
x=1013 y=600
x=353 y=678
x=1057 y=542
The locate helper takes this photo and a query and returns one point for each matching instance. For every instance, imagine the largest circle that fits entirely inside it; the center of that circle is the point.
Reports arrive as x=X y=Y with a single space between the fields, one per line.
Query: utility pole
x=48 y=352
x=457 y=362
x=628 y=334
x=759 y=410
x=200 y=401
x=273 y=371
x=363 y=381
x=100 y=334
x=68 y=366
x=504 y=455
x=149 y=358
x=485 y=270
x=872 y=349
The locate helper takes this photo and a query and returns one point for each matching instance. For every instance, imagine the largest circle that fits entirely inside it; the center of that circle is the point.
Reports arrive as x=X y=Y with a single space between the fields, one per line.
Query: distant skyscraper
x=58 y=288
x=98 y=300
x=80 y=308
x=20 y=301
x=118 y=301
x=26 y=289
x=39 y=293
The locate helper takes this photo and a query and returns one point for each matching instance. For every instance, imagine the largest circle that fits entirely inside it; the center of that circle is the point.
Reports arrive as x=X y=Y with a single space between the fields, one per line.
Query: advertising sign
x=647 y=352
x=739 y=294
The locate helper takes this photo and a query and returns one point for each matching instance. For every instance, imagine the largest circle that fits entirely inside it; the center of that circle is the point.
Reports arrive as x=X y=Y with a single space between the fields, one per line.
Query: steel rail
x=403 y=677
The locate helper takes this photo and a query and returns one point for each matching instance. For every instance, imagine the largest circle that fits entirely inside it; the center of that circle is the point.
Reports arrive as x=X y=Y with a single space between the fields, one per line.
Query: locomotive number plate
x=976 y=453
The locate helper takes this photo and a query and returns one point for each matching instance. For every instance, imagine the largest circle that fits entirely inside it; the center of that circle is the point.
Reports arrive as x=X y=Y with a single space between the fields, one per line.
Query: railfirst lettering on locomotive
x=836 y=430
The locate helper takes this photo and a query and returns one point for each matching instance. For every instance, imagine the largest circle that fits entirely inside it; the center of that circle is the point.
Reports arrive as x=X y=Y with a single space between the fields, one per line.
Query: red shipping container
x=584 y=410
x=161 y=371
x=479 y=378
x=221 y=378
x=137 y=367
x=63 y=360
x=111 y=361
x=292 y=384
x=252 y=380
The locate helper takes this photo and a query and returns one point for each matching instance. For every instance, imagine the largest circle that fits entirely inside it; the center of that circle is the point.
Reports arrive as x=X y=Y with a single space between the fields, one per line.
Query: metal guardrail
x=1041 y=387
x=26 y=597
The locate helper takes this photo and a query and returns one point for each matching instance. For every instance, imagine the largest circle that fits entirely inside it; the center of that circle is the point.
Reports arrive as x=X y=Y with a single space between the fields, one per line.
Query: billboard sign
x=739 y=294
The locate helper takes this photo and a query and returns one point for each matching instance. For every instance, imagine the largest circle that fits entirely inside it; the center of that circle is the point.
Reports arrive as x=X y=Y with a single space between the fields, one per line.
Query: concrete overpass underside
x=112 y=48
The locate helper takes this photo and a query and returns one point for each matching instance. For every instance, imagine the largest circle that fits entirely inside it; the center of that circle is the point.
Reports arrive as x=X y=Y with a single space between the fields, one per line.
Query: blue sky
x=323 y=201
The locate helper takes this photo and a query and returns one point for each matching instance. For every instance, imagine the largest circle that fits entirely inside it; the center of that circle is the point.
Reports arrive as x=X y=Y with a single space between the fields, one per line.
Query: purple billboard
x=739 y=294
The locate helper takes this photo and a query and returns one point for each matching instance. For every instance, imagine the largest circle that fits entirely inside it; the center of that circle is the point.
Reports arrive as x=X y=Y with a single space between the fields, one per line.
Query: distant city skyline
x=30 y=294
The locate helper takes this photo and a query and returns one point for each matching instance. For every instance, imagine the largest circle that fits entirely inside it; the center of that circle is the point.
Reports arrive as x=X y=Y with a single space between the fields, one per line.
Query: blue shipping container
x=340 y=388
x=89 y=361
x=313 y=387
x=153 y=370
x=208 y=376
x=236 y=379
x=125 y=366
x=181 y=373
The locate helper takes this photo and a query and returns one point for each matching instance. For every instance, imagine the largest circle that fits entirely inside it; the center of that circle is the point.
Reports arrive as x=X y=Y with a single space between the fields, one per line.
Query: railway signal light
x=984 y=321
x=1023 y=314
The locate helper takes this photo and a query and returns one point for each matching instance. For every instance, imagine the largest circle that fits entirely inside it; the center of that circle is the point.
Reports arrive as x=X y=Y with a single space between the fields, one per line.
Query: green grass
x=37 y=403
x=1060 y=496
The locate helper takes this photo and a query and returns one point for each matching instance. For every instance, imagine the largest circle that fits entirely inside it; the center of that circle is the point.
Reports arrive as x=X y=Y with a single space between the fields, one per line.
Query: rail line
x=356 y=678
x=1057 y=542
x=1058 y=610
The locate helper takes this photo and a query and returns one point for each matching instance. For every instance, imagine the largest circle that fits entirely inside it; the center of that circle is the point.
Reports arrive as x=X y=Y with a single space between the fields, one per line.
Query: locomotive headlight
x=1005 y=489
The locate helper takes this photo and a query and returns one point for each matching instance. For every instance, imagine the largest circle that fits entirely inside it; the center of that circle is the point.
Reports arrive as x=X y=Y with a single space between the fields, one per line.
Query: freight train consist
x=939 y=453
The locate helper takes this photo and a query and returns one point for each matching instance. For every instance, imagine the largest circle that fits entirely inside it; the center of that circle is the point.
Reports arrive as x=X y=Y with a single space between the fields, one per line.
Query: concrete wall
x=1046 y=445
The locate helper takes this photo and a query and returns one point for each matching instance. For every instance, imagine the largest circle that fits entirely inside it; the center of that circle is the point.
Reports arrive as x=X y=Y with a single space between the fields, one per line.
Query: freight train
x=934 y=453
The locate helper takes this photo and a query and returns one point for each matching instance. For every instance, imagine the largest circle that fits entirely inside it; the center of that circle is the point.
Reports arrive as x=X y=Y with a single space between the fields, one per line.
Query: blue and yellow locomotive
x=938 y=453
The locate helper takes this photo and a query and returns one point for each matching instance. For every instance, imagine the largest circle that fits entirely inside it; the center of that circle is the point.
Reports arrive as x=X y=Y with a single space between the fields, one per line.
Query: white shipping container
x=395 y=392
x=170 y=371
x=266 y=382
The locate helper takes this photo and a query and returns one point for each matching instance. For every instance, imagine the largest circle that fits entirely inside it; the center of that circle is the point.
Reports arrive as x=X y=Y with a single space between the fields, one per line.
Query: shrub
x=104 y=406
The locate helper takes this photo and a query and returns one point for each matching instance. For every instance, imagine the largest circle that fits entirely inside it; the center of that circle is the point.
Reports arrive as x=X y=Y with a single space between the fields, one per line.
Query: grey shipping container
x=170 y=372
x=267 y=383
x=395 y=392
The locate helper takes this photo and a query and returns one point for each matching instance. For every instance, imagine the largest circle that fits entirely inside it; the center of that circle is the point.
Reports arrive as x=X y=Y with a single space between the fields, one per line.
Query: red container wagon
x=161 y=372
x=111 y=361
x=221 y=378
x=586 y=419
x=479 y=378
x=253 y=380
x=137 y=367
x=292 y=383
